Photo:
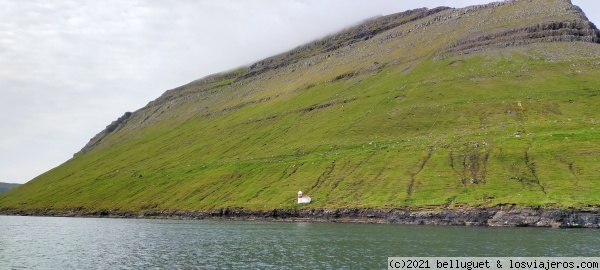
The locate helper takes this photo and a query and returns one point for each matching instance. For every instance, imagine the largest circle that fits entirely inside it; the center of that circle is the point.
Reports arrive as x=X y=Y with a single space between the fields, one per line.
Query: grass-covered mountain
x=478 y=106
x=4 y=187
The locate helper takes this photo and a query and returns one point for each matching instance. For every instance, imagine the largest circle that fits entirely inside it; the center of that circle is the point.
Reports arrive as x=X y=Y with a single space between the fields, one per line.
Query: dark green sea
x=90 y=243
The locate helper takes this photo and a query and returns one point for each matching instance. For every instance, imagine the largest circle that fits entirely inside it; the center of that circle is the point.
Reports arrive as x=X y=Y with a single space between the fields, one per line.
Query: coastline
x=500 y=216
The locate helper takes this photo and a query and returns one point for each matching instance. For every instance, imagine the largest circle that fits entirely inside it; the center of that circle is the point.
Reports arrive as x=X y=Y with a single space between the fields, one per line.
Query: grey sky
x=70 y=67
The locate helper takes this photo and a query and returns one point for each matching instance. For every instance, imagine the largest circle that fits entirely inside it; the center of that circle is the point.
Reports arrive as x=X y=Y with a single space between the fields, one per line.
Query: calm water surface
x=86 y=243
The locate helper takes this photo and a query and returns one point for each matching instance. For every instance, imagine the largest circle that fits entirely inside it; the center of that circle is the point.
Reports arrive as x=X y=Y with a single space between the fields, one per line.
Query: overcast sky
x=68 y=68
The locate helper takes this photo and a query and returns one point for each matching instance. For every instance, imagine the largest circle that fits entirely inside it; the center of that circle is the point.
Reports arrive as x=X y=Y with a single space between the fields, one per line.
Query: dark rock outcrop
x=569 y=31
x=114 y=126
x=501 y=216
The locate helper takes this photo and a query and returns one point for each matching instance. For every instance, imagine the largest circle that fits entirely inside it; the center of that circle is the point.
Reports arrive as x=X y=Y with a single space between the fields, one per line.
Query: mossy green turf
x=509 y=127
x=385 y=122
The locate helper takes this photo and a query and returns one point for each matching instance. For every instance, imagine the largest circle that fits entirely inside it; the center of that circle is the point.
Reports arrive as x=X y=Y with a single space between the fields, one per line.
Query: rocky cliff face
x=113 y=127
x=564 y=31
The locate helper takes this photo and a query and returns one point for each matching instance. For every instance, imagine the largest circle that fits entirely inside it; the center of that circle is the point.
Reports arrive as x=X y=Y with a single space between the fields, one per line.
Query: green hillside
x=425 y=109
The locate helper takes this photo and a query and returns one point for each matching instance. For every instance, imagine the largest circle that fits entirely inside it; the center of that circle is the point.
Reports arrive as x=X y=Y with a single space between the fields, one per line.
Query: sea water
x=92 y=243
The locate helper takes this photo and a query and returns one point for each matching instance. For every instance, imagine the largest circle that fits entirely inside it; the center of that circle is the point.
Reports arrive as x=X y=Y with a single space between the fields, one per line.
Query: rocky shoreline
x=501 y=216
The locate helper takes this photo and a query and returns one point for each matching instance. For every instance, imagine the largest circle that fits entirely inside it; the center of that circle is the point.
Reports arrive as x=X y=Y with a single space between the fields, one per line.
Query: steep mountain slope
x=482 y=106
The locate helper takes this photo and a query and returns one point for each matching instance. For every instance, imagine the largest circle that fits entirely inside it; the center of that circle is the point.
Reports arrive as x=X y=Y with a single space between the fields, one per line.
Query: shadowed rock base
x=502 y=216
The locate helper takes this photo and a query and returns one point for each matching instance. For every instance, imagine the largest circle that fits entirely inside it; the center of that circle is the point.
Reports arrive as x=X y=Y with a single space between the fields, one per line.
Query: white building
x=302 y=199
